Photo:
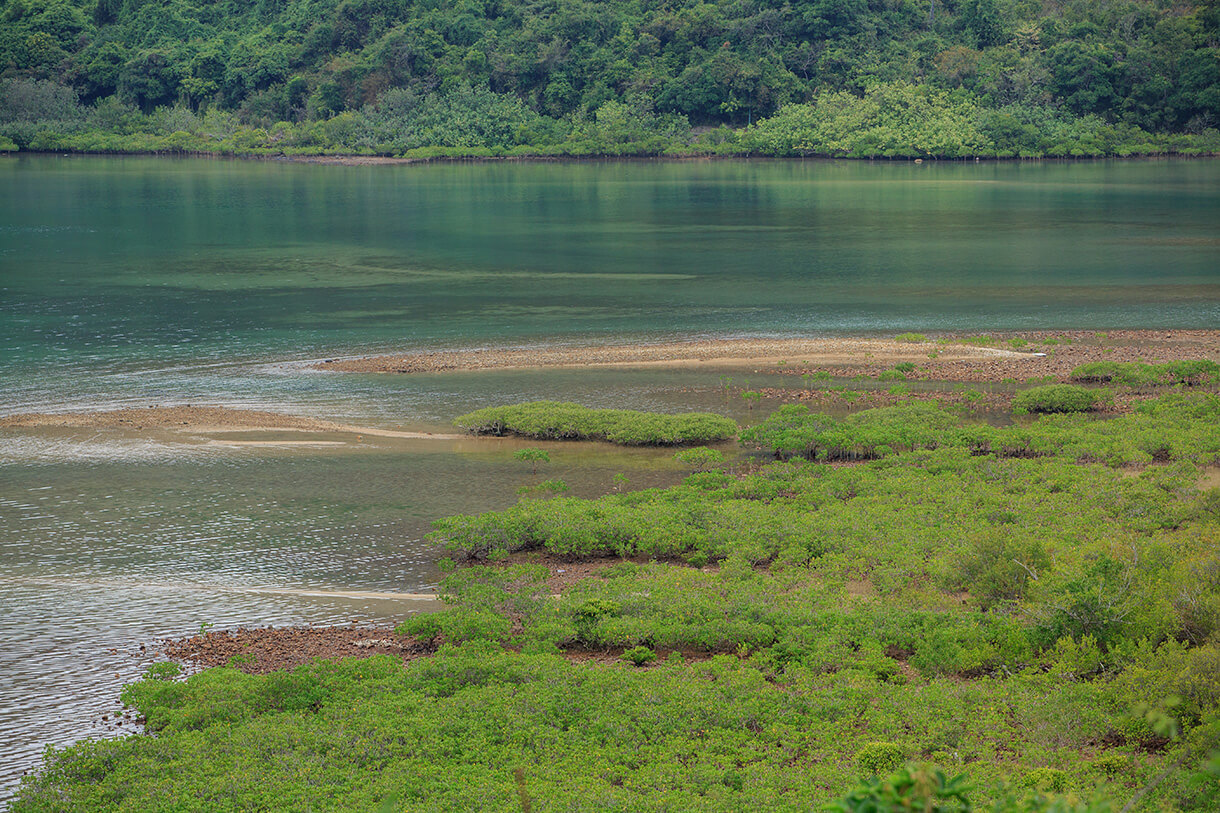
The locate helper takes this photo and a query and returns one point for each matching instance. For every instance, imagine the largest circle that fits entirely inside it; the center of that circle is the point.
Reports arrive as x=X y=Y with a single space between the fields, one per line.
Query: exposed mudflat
x=267 y=649
x=710 y=353
x=203 y=419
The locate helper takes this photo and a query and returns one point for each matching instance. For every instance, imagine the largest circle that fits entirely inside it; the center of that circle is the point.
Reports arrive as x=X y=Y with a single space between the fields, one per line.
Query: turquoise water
x=128 y=275
x=134 y=281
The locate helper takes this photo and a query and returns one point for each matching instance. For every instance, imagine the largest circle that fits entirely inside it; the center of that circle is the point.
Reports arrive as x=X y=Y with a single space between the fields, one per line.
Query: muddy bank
x=709 y=353
x=1043 y=355
x=204 y=419
x=261 y=650
x=172 y=417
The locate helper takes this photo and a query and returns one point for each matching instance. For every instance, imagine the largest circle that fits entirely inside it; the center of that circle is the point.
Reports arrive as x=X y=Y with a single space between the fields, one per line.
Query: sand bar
x=204 y=419
x=708 y=353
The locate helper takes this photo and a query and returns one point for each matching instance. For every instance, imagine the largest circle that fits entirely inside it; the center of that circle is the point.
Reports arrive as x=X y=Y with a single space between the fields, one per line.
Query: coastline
x=358 y=160
x=202 y=419
x=693 y=353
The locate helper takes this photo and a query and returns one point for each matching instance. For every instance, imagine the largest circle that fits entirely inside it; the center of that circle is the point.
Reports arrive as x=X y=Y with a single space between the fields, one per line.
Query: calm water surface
x=132 y=281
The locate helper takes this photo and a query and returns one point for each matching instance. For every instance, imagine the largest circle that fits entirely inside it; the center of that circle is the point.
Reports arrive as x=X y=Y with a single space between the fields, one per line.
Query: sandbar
x=697 y=353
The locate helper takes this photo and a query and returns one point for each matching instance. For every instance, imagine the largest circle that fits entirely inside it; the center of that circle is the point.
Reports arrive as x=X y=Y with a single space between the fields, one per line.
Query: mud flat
x=709 y=353
x=202 y=419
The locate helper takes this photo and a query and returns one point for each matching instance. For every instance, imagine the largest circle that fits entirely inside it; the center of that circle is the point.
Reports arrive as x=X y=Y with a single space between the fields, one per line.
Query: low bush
x=554 y=420
x=1136 y=374
x=1054 y=398
x=880 y=757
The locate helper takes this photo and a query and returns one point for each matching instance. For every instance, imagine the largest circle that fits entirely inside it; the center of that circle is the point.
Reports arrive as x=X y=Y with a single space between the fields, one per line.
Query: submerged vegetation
x=1018 y=618
x=896 y=79
x=556 y=420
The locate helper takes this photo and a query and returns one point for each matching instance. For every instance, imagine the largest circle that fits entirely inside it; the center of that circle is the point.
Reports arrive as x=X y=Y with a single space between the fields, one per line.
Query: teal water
x=131 y=274
x=133 y=281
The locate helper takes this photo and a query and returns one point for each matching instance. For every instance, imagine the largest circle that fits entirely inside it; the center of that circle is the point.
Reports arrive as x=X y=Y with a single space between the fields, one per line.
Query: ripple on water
x=66 y=661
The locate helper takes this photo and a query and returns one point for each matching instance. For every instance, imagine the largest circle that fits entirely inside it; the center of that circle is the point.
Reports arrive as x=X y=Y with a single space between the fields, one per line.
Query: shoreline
x=205 y=420
x=742 y=352
x=947 y=357
x=1009 y=358
x=355 y=160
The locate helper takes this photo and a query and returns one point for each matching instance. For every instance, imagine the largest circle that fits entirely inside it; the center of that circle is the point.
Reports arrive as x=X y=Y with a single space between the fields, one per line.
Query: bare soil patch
x=260 y=650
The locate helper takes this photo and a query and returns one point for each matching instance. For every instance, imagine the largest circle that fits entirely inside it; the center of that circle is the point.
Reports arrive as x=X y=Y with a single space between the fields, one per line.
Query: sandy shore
x=705 y=353
x=204 y=419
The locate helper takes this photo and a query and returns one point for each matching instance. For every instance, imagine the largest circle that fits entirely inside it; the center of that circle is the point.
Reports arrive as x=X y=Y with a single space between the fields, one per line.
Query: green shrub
x=1054 y=398
x=876 y=758
x=923 y=790
x=701 y=458
x=910 y=337
x=553 y=420
x=1137 y=374
x=1047 y=779
x=639 y=655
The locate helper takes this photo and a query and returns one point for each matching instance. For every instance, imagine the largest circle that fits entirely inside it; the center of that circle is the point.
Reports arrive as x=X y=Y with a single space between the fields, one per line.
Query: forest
x=851 y=78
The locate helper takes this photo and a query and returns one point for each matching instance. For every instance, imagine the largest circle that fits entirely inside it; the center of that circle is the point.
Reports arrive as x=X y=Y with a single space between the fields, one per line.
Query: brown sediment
x=260 y=650
x=173 y=417
x=213 y=419
x=700 y=353
x=1046 y=355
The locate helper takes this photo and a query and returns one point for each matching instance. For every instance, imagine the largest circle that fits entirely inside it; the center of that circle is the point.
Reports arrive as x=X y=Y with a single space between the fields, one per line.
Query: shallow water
x=135 y=281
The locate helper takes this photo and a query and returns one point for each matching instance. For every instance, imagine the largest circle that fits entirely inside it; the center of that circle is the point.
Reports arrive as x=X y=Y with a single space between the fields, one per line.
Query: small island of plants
x=556 y=420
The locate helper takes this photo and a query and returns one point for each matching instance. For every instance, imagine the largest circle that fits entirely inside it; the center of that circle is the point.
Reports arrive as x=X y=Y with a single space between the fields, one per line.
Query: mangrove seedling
x=533 y=456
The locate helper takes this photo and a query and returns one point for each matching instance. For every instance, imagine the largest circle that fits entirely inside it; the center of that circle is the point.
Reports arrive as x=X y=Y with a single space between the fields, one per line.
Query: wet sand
x=700 y=353
x=206 y=420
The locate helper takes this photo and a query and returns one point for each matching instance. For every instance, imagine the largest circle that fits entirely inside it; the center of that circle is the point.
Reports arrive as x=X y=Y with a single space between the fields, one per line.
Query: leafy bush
x=1054 y=398
x=1135 y=374
x=553 y=420
x=880 y=757
x=921 y=789
x=639 y=655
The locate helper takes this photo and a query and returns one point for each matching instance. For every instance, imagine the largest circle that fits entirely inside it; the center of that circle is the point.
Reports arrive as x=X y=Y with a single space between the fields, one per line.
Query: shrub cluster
x=1055 y=398
x=1137 y=374
x=554 y=420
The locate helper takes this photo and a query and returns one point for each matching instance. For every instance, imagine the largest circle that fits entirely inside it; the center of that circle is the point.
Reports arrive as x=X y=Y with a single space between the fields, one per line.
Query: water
x=134 y=281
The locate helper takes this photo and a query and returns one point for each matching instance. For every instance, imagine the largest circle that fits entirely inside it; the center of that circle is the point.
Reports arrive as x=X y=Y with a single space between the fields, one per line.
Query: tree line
x=991 y=76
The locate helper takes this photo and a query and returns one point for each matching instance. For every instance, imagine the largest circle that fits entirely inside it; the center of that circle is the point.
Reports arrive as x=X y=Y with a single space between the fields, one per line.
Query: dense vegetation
x=1137 y=374
x=576 y=77
x=1009 y=627
x=555 y=420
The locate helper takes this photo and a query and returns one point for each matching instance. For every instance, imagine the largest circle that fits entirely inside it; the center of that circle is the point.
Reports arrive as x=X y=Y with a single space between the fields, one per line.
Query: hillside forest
x=422 y=78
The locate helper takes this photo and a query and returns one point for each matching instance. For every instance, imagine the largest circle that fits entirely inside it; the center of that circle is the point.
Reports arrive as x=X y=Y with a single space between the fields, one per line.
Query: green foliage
x=908 y=789
x=533 y=457
x=700 y=458
x=995 y=78
x=1135 y=374
x=1054 y=398
x=877 y=758
x=639 y=655
x=910 y=337
x=553 y=420
x=793 y=430
x=1047 y=779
